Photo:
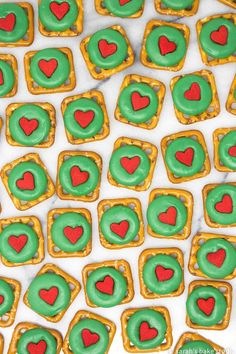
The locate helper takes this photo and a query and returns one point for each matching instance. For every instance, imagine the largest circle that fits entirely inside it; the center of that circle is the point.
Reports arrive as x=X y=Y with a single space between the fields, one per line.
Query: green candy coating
x=40 y=181
x=139 y=115
x=227 y=142
x=46 y=282
x=158 y=286
x=72 y=220
x=178 y=5
x=20 y=27
x=126 y=10
x=60 y=74
x=102 y=299
x=209 y=268
x=217 y=50
x=153 y=49
x=8 y=78
x=117 y=214
x=154 y=320
x=178 y=168
x=120 y=175
x=196 y=315
x=27 y=252
x=51 y=22
x=7 y=296
x=94 y=327
x=196 y=106
x=196 y=347
x=112 y=37
x=160 y=205
x=85 y=164
x=35 y=336
x=30 y=112
x=216 y=196
x=84 y=105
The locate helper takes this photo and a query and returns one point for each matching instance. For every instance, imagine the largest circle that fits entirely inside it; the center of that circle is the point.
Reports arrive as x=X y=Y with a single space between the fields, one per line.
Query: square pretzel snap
x=30 y=124
x=108 y=283
x=209 y=305
x=230 y=3
x=27 y=181
x=120 y=223
x=8 y=75
x=132 y=164
x=51 y=292
x=231 y=100
x=179 y=9
x=79 y=175
x=107 y=52
x=146 y=330
x=164 y=45
x=63 y=19
x=185 y=156
x=21 y=241
x=123 y=9
x=140 y=101
x=17 y=25
x=195 y=97
x=69 y=232
x=224 y=140
x=169 y=213
x=216 y=39
x=35 y=337
x=161 y=272
x=187 y=342
x=212 y=256
x=219 y=202
x=85 y=117
x=10 y=291
x=92 y=330
x=49 y=70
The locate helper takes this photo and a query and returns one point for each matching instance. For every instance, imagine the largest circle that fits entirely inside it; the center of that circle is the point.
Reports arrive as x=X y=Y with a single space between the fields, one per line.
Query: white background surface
x=168 y=124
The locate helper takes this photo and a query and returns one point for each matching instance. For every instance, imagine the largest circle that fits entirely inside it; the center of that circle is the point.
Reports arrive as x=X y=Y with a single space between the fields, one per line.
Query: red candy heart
x=59 y=10
x=185 y=157
x=49 y=296
x=1 y=299
x=124 y=2
x=217 y=258
x=1 y=78
x=106 y=286
x=225 y=205
x=232 y=151
x=130 y=164
x=84 y=118
x=77 y=176
x=106 y=49
x=194 y=93
x=8 y=23
x=220 y=36
x=48 y=67
x=27 y=182
x=138 y=101
x=166 y=46
x=206 y=306
x=163 y=274
x=168 y=217
x=146 y=332
x=18 y=242
x=37 y=348
x=89 y=338
x=73 y=233
x=28 y=125
x=121 y=228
